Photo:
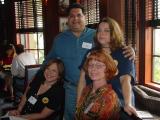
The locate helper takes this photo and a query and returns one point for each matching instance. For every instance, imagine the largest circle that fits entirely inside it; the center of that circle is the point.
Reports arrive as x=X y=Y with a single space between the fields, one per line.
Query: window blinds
x=91 y=10
x=152 y=13
x=130 y=22
x=29 y=15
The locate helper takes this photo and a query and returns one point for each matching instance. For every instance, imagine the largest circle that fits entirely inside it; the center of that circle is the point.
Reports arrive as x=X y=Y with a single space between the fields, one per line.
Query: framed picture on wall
x=63 y=25
x=63 y=4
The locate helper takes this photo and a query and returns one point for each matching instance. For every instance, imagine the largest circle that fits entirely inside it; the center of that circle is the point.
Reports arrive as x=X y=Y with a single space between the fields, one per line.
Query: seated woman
x=5 y=72
x=44 y=98
x=98 y=100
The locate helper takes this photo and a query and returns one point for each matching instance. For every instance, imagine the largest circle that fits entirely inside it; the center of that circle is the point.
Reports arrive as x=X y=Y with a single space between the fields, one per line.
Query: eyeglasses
x=97 y=66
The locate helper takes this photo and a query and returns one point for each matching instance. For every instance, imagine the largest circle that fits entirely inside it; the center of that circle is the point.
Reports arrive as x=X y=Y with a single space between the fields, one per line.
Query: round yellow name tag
x=45 y=100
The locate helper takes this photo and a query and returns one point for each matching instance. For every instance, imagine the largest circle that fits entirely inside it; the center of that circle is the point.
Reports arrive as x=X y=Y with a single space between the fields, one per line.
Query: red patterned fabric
x=101 y=105
x=7 y=61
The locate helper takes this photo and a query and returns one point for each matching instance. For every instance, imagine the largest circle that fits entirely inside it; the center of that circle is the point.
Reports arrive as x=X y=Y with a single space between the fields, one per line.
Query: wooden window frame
x=146 y=44
x=29 y=20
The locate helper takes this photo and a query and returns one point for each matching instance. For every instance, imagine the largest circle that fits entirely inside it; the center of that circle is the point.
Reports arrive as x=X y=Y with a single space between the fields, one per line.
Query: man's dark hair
x=19 y=48
x=75 y=5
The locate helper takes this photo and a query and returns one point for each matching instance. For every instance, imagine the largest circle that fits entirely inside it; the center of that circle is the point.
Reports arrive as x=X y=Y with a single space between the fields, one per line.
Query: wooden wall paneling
x=7 y=23
x=103 y=8
x=113 y=9
x=51 y=22
x=11 y=23
x=142 y=41
x=148 y=55
x=2 y=28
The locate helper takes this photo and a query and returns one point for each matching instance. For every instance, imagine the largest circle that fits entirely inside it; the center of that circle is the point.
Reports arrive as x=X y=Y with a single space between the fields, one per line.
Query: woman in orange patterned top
x=98 y=100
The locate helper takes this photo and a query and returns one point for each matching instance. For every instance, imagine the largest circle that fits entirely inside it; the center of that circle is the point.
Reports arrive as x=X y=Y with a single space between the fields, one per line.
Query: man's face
x=76 y=20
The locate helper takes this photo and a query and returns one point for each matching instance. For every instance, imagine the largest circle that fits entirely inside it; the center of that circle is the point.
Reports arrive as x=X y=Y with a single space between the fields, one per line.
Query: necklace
x=106 y=47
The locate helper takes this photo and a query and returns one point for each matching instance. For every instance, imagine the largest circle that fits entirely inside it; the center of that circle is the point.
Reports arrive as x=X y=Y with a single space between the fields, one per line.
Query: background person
x=21 y=60
x=44 y=99
x=18 y=69
x=5 y=62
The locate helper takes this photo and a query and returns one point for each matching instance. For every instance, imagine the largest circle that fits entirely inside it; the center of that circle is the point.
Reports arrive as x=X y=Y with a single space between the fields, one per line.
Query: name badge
x=32 y=100
x=86 y=45
x=88 y=108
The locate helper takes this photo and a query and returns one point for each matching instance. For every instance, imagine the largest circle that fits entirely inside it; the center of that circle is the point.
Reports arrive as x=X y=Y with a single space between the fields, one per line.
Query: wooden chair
x=30 y=72
x=20 y=84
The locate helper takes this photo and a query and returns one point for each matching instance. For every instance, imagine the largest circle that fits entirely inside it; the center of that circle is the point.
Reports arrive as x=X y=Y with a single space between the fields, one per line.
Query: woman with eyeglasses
x=98 y=100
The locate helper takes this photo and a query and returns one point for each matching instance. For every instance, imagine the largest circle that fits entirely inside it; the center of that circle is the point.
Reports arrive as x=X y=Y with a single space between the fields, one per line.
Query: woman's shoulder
x=35 y=83
x=118 y=51
x=86 y=89
x=57 y=87
x=109 y=93
x=65 y=34
x=118 y=55
x=56 y=92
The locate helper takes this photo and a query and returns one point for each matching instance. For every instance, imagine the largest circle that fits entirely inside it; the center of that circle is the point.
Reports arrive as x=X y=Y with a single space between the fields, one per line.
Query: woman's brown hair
x=117 y=35
x=60 y=67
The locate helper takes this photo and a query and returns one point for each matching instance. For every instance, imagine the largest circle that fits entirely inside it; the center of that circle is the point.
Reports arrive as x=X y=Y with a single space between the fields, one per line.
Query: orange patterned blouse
x=101 y=105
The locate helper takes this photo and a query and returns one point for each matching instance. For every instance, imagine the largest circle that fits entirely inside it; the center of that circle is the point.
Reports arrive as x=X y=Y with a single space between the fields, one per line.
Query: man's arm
x=81 y=84
x=129 y=52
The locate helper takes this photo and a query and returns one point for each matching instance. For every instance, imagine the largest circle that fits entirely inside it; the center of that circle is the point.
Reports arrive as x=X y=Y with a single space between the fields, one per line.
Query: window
x=153 y=28
x=156 y=42
x=156 y=56
x=91 y=10
x=29 y=27
x=1 y=1
x=33 y=43
x=130 y=22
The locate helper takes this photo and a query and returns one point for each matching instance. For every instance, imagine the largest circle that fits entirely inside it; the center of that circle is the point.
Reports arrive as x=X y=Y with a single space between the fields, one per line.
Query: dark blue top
x=125 y=66
x=71 y=50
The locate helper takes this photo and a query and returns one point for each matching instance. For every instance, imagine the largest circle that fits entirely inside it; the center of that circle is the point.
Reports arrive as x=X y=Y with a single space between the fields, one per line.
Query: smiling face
x=103 y=34
x=51 y=73
x=76 y=20
x=96 y=70
x=99 y=65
